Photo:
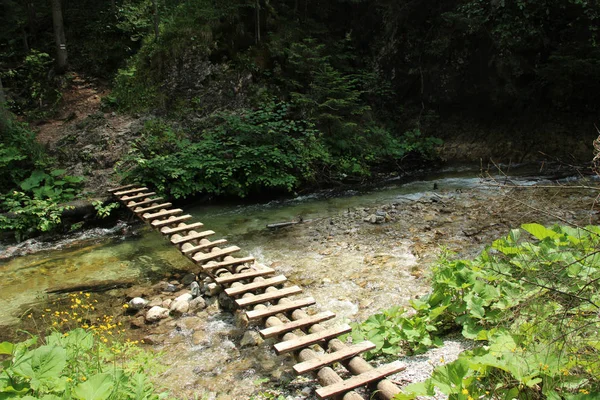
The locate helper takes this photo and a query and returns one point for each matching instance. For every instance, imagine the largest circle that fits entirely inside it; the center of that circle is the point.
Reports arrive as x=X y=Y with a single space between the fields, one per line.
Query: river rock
x=138 y=323
x=166 y=303
x=213 y=289
x=251 y=338
x=137 y=303
x=157 y=301
x=195 y=289
x=170 y=288
x=157 y=313
x=188 y=278
x=181 y=304
x=197 y=304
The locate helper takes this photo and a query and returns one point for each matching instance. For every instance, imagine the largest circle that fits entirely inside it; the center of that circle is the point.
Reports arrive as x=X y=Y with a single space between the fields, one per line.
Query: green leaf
x=6 y=348
x=97 y=387
x=539 y=231
x=34 y=180
x=58 y=172
x=44 y=366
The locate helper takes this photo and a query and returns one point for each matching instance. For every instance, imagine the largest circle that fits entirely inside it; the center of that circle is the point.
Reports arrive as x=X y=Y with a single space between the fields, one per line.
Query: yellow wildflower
x=465 y=391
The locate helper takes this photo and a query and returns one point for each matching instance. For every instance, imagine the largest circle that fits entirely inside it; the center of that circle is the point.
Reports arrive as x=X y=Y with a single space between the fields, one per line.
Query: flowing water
x=351 y=267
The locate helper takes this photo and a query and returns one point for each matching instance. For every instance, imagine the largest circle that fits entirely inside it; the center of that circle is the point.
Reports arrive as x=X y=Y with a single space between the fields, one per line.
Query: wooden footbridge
x=267 y=300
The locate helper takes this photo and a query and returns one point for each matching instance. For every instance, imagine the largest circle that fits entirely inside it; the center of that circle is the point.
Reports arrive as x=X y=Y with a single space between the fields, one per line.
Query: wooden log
x=121 y=188
x=280 y=308
x=330 y=358
x=139 y=210
x=200 y=247
x=227 y=263
x=181 y=228
x=326 y=375
x=170 y=220
x=162 y=213
x=308 y=340
x=137 y=196
x=239 y=290
x=133 y=204
x=282 y=224
x=191 y=236
x=201 y=258
x=297 y=324
x=359 y=380
x=129 y=191
x=268 y=296
x=241 y=276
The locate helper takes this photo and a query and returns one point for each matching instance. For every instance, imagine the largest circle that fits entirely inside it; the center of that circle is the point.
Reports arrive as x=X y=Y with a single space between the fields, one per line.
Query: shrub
x=241 y=153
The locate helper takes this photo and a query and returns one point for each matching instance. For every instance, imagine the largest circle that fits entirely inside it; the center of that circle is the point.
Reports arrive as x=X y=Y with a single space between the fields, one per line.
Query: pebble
x=137 y=303
x=157 y=313
x=251 y=338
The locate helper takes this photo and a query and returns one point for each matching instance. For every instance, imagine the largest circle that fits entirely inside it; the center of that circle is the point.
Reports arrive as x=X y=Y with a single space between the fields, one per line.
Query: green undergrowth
x=79 y=356
x=531 y=303
x=32 y=193
x=249 y=151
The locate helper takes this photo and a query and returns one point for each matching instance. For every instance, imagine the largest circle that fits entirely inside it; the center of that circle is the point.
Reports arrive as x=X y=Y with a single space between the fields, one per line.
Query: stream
x=350 y=265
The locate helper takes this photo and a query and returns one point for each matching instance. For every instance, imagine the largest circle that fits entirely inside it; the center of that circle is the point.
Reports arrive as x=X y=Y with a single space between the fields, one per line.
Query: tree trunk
x=59 y=37
x=31 y=21
x=2 y=95
x=257 y=21
x=156 y=20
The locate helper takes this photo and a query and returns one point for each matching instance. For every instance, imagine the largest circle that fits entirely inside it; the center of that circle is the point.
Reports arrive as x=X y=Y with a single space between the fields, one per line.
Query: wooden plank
x=141 y=203
x=297 y=324
x=164 y=222
x=192 y=236
x=330 y=358
x=238 y=290
x=124 y=192
x=121 y=188
x=160 y=214
x=376 y=374
x=223 y=280
x=187 y=227
x=227 y=263
x=201 y=247
x=268 y=296
x=204 y=257
x=137 y=196
x=292 y=305
x=308 y=340
x=151 y=208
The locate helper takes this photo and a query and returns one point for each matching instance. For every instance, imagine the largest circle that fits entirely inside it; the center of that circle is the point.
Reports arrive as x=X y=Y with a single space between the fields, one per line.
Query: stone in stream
x=157 y=313
x=195 y=289
x=213 y=289
x=188 y=278
x=251 y=338
x=137 y=303
x=181 y=304
x=197 y=304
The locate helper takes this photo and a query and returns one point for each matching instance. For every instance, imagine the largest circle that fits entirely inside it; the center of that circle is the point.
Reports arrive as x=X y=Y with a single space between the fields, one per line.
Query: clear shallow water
x=102 y=255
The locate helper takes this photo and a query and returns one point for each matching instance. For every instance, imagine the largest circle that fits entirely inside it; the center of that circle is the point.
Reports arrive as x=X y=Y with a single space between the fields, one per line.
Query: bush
x=533 y=303
x=240 y=154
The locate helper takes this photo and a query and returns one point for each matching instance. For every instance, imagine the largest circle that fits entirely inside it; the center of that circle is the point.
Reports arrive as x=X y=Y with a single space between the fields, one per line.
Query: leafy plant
x=239 y=154
x=83 y=363
x=40 y=205
x=103 y=210
x=534 y=303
